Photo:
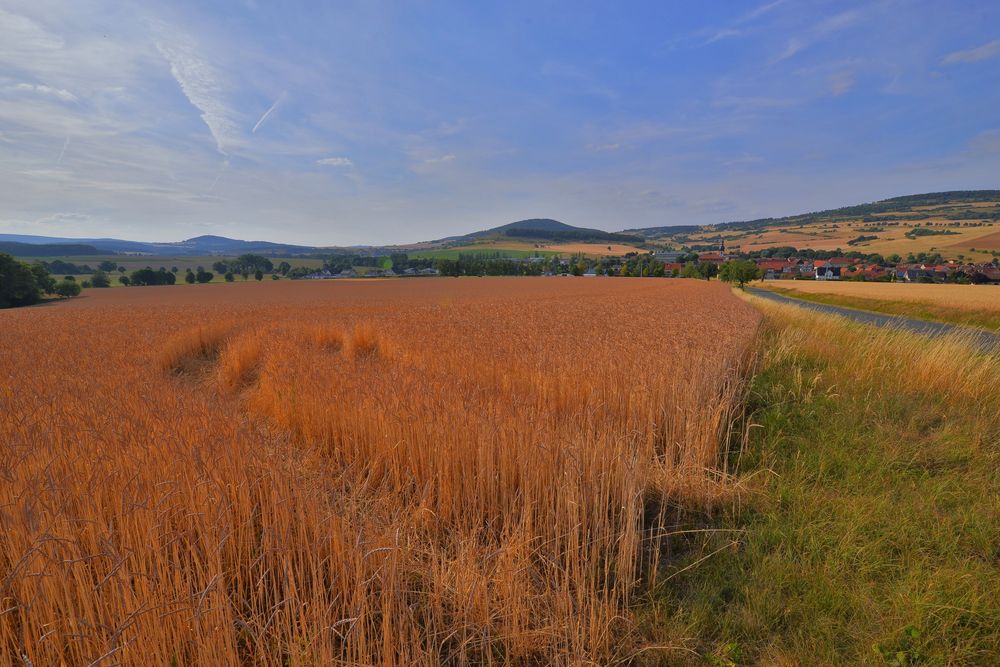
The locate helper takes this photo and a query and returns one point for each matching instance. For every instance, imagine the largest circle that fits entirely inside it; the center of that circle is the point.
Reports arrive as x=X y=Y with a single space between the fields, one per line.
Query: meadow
x=482 y=471
x=969 y=305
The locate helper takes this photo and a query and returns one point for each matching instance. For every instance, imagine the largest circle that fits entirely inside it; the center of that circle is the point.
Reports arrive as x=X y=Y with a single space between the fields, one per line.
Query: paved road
x=987 y=341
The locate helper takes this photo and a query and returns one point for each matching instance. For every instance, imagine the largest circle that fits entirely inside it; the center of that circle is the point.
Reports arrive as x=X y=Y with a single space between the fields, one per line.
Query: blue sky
x=377 y=122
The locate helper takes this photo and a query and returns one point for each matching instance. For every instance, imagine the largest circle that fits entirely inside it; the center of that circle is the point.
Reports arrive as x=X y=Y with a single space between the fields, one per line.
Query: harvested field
x=395 y=472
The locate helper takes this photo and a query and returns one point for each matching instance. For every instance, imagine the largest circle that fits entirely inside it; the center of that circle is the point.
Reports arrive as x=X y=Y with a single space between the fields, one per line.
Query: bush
x=148 y=276
x=204 y=276
x=67 y=288
x=229 y=276
x=100 y=279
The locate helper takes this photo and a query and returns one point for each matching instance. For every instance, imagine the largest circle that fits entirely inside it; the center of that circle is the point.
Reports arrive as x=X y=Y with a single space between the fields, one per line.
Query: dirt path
x=987 y=341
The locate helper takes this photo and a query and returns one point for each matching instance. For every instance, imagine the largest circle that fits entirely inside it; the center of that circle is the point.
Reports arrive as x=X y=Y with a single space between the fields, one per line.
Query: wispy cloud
x=63 y=151
x=335 y=162
x=986 y=142
x=837 y=22
x=42 y=89
x=735 y=29
x=438 y=160
x=748 y=103
x=793 y=46
x=201 y=84
x=267 y=114
x=841 y=82
x=766 y=8
x=821 y=29
x=974 y=55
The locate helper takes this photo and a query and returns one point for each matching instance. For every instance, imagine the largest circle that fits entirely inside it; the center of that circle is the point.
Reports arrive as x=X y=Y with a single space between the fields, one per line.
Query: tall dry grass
x=481 y=472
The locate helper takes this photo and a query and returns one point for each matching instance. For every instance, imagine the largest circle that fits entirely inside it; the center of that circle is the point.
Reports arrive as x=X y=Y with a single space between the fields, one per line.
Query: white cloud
x=201 y=84
x=438 y=160
x=42 y=89
x=984 y=52
x=335 y=162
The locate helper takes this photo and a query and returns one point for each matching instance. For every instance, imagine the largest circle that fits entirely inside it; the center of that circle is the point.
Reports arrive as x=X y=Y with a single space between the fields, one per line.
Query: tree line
x=23 y=284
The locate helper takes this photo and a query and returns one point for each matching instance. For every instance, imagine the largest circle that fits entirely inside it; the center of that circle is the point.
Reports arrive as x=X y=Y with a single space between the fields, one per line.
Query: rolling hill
x=964 y=223
x=957 y=224
x=24 y=245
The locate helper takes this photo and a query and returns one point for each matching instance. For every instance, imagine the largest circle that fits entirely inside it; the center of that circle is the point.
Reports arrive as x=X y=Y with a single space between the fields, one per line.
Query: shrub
x=100 y=279
x=67 y=288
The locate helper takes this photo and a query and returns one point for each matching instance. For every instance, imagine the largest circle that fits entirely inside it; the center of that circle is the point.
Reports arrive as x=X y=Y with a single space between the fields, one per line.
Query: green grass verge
x=919 y=310
x=871 y=530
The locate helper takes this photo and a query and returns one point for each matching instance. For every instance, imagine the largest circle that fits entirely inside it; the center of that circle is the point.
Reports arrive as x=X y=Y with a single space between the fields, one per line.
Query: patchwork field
x=973 y=242
x=395 y=472
x=959 y=223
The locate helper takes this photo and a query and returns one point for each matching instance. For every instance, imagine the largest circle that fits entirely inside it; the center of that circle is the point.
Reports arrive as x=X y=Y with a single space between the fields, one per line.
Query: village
x=685 y=263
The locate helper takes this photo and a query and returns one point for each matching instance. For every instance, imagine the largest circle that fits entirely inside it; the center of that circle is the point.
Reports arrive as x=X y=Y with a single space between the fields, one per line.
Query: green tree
x=46 y=282
x=67 y=288
x=189 y=277
x=19 y=285
x=285 y=267
x=124 y=280
x=258 y=275
x=250 y=263
x=100 y=279
x=204 y=276
x=107 y=266
x=739 y=272
x=229 y=276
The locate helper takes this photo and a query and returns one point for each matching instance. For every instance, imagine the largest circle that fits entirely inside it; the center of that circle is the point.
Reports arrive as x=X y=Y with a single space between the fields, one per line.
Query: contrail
x=63 y=151
x=218 y=175
x=268 y=113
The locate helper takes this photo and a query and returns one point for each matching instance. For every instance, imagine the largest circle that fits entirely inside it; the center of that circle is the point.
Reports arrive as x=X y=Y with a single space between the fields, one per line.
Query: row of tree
x=23 y=284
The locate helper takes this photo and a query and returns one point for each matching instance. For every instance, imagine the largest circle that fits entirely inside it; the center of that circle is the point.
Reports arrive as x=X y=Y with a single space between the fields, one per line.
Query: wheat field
x=480 y=471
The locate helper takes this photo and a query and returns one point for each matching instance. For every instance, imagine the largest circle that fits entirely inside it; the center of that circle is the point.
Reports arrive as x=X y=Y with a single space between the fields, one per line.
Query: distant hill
x=958 y=225
x=199 y=245
x=546 y=229
x=47 y=249
x=960 y=199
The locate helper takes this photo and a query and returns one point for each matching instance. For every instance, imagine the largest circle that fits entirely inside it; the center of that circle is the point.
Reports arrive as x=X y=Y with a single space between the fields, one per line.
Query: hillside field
x=959 y=223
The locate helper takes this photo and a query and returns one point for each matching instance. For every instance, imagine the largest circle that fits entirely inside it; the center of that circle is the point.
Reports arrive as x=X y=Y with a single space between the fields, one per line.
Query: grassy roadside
x=919 y=310
x=870 y=533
